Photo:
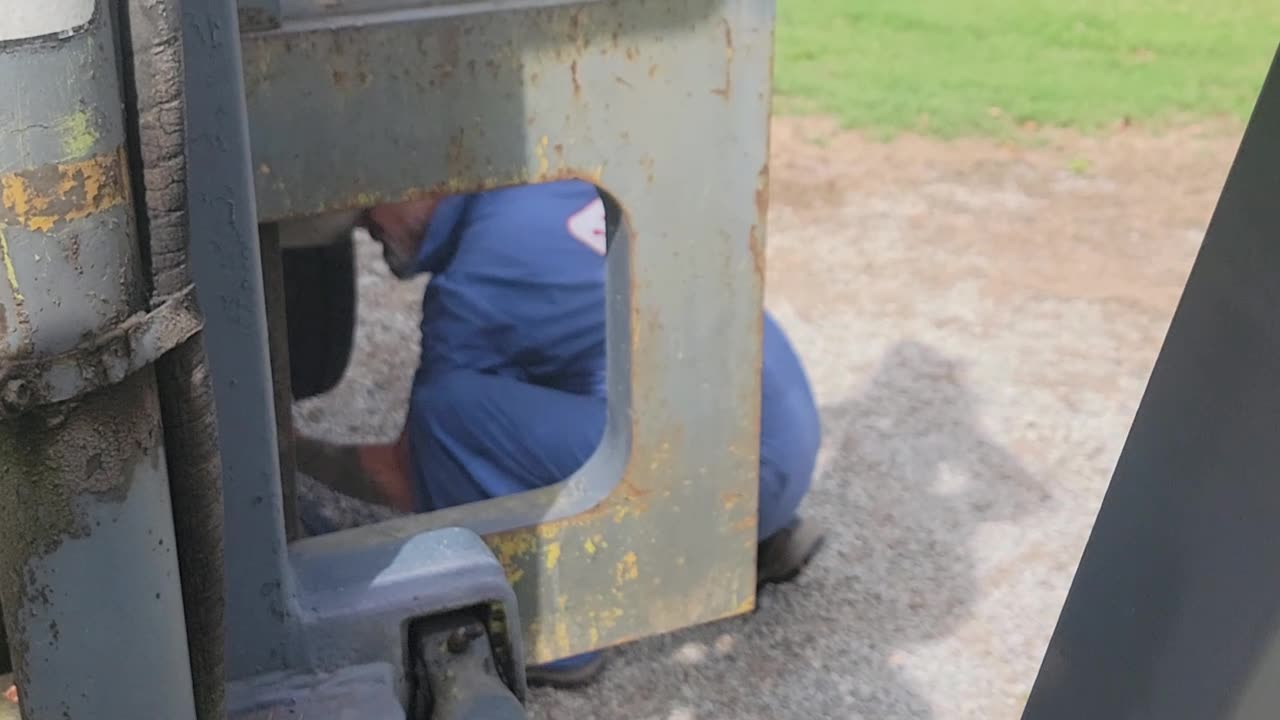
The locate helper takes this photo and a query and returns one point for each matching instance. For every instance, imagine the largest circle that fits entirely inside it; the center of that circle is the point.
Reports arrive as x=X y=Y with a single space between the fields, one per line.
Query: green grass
x=957 y=67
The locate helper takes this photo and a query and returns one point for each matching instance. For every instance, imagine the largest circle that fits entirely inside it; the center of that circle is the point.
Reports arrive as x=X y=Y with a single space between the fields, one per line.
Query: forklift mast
x=149 y=560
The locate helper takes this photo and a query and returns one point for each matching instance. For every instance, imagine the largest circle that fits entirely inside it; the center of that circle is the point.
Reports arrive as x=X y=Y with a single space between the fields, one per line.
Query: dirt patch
x=1101 y=216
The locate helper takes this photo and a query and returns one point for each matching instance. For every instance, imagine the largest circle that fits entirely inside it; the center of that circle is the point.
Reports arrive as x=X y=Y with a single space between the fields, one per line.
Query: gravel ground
x=979 y=321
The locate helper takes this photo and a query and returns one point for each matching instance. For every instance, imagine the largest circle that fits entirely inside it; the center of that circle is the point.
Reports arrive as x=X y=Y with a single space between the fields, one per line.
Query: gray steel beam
x=1174 y=612
x=226 y=261
x=87 y=556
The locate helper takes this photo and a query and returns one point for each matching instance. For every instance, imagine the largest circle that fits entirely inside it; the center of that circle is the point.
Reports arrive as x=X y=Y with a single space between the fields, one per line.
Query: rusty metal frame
x=665 y=105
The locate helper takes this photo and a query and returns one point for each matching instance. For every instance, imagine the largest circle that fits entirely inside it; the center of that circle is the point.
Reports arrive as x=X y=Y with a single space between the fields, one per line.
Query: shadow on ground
x=908 y=477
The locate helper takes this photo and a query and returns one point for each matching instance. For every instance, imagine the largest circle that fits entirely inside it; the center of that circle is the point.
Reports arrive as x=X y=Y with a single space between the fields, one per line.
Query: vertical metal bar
x=278 y=344
x=1174 y=612
x=88 y=566
x=226 y=261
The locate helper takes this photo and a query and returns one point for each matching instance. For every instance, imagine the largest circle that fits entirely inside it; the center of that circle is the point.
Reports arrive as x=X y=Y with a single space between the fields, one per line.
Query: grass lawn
x=955 y=67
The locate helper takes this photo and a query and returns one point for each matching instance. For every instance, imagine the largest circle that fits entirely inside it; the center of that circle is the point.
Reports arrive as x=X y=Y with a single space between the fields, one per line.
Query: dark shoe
x=783 y=555
x=568 y=674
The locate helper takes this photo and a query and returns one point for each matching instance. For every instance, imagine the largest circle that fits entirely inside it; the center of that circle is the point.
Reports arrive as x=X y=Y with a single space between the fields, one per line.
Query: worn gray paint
x=351 y=636
x=362 y=692
x=86 y=543
x=110 y=608
x=226 y=264
x=354 y=600
x=102 y=360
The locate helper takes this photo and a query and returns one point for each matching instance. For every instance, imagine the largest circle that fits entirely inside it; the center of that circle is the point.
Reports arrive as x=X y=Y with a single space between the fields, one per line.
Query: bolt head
x=16 y=395
x=460 y=640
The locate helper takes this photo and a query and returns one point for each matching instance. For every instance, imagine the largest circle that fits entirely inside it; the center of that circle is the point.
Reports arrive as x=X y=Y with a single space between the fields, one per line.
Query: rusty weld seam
x=103 y=360
x=40 y=198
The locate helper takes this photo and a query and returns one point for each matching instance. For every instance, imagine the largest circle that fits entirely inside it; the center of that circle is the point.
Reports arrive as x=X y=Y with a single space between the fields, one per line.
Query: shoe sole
x=783 y=575
x=574 y=679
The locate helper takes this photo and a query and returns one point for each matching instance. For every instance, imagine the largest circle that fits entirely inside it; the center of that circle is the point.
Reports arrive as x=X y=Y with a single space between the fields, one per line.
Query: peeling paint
x=40 y=198
x=627 y=569
x=10 y=274
x=78 y=135
x=544 y=164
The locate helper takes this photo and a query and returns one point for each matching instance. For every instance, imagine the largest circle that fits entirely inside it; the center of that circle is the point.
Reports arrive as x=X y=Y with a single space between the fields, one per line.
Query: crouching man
x=509 y=394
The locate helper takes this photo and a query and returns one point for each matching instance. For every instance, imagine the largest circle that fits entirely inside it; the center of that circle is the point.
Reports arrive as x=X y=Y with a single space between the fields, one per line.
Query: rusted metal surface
x=665 y=105
x=88 y=571
x=101 y=360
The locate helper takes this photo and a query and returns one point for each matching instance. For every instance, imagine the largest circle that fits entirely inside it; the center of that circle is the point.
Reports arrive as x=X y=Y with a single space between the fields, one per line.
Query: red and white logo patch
x=587 y=226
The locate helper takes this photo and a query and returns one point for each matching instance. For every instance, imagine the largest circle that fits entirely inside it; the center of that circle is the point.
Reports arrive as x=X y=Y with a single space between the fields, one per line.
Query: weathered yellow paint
x=628 y=568
x=609 y=618
x=509 y=549
x=553 y=555
x=40 y=198
x=78 y=135
x=544 y=164
x=10 y=273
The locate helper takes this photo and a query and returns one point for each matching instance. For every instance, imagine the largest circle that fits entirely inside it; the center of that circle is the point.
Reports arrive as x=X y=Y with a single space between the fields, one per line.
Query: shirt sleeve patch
x=587 y=226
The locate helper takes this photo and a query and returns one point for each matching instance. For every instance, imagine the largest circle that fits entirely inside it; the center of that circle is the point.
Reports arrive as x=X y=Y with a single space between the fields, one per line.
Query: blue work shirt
x=510 y=392
x=523 y=295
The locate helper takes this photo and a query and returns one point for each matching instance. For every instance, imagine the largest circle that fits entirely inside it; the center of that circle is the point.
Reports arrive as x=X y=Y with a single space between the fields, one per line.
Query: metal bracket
x=102 y=360
x=457 y=677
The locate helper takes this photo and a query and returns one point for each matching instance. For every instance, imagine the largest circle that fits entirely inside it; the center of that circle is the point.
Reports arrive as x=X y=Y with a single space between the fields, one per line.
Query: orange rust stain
x=730 y=499
x=727 y=89
x=653 y=72
x=756 y=239
x=42 y=197
x=577 y=82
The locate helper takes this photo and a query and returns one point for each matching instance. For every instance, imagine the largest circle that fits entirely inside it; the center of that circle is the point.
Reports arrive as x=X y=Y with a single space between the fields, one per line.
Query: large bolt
x=16 y=396
x=460 y=640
